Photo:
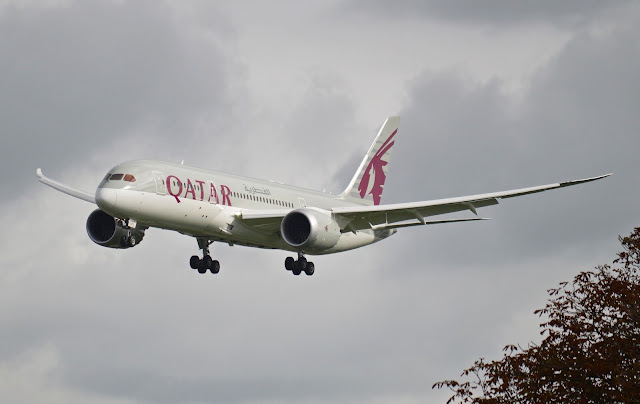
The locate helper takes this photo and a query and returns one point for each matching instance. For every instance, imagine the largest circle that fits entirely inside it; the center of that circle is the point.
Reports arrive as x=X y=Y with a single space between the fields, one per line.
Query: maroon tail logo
x=375 y=167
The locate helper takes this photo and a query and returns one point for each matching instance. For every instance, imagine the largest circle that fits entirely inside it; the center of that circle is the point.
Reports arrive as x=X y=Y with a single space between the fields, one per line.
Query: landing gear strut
x=130 y=239
x=206 y=262
x=299 y=265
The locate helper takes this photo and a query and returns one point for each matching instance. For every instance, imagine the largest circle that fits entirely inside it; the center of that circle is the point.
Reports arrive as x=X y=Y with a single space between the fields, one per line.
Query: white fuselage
x=208 y=204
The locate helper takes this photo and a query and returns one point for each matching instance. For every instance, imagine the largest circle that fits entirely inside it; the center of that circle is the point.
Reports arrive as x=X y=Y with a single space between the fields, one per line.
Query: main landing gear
x=299 y=265
x=206 y=262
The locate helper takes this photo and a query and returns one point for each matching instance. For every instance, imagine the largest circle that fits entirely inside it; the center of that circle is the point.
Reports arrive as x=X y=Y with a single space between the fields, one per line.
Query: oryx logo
x=375 y=168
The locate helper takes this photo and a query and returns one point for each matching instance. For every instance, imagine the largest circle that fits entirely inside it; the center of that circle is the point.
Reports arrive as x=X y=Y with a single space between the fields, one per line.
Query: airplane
x=217 y=207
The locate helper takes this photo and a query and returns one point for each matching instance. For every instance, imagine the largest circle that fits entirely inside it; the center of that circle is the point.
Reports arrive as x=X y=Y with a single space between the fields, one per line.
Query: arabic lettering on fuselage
x=188 y=190
x=253 y=190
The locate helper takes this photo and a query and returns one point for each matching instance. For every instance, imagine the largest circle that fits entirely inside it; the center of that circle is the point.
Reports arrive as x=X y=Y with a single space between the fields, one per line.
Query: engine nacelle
x=107 y=231
x=310 y=229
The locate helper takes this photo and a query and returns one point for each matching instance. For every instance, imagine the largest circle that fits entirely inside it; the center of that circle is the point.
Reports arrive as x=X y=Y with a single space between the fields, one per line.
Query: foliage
x=591 y=347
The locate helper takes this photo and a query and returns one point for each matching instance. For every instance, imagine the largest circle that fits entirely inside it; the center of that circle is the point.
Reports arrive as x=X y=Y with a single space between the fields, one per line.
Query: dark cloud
x=577 y=120
x=78 y=77
x=501 y=12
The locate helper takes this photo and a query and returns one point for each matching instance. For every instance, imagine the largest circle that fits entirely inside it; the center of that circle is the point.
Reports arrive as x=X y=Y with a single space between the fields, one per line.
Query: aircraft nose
x=106 y=198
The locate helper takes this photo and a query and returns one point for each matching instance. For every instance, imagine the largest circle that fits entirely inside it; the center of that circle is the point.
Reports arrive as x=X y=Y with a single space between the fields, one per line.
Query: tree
x=590 y=352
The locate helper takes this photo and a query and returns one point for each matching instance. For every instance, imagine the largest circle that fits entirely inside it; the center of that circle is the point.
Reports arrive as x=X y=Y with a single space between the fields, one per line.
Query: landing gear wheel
x=206 y=262
x=215 y=267
x=310 y=269
x=296 y=269
x=289 y=263
x=302 y=263
x=132 y=241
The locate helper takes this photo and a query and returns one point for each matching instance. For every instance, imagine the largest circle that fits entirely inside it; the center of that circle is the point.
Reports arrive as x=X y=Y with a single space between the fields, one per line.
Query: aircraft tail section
x=368 y=183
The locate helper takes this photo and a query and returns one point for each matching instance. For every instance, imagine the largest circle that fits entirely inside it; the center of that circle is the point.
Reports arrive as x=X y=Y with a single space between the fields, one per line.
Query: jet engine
x=108 y=231
x=310 y=229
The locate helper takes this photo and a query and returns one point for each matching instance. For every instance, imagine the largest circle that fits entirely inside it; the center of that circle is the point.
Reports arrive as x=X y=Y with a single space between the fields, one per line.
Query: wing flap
x=425 y=223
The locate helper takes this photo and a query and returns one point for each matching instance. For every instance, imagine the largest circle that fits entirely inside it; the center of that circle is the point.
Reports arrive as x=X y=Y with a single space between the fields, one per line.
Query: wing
x=389 y=216
x=85 y=196
x=394 y=216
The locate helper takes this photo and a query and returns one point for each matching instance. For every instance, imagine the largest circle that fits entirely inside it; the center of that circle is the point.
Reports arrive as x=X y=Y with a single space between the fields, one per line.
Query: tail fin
x=367 y=185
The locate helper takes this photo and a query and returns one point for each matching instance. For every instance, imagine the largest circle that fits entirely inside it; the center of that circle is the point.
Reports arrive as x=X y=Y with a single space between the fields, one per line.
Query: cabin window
x=116 y=177
x=129 y=177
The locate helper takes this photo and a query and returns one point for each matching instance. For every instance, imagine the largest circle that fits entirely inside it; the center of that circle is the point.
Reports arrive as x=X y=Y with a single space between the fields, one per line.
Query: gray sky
x=492 y=97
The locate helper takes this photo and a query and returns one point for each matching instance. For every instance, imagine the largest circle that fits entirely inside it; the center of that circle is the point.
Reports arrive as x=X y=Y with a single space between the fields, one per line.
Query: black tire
x=289 y=263
x=194 y=262
x=208 y=262
x=215 y=267
x=296 y=269
x=302 y=263
x=310 y=269
x=202 y=266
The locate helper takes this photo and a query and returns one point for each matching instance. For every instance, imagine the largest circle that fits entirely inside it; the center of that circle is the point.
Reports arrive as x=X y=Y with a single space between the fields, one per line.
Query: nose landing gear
x=206 y=262
x=299 y=265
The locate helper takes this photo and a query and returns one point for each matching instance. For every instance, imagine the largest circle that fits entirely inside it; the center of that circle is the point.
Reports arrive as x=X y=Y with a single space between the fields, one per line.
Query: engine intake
x=107 y=231
x=310 y=229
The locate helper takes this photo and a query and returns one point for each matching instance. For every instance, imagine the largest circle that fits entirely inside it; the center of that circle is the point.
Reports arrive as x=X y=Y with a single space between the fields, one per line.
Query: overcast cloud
x=565 y=13
x=295 y=93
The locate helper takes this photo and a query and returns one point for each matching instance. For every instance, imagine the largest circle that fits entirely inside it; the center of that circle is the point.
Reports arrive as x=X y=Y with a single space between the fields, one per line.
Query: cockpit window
x=129 y=177
x=115 y=177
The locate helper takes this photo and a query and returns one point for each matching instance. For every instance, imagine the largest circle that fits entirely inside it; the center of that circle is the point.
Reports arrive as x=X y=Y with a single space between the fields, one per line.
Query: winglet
x=85 y=196
x=575 y=182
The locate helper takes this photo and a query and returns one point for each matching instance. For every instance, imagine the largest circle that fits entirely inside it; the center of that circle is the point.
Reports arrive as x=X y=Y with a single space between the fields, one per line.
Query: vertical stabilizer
x=368 y=183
